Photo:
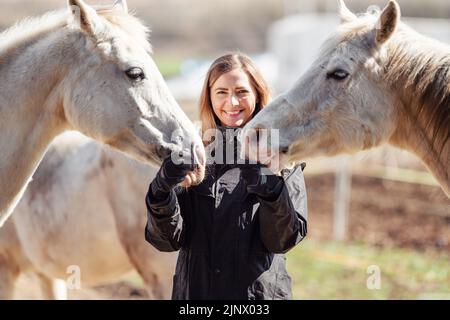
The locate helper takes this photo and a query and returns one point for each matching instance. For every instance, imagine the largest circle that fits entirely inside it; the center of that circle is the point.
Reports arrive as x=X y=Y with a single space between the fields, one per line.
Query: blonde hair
x=221 y=66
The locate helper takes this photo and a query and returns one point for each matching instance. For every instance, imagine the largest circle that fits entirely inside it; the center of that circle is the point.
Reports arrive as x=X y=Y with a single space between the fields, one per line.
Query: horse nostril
x=259 y=126
x=254 y=134
x=163 y=152
x=284 y=150
x=259 y=130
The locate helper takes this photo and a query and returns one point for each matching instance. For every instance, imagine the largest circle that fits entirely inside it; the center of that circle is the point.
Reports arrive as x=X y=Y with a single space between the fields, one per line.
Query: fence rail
x=344 y=168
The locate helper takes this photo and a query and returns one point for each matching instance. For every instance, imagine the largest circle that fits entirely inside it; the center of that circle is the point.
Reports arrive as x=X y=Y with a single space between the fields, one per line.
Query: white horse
x=87 y=70
x=374 y=81
x=84 y=211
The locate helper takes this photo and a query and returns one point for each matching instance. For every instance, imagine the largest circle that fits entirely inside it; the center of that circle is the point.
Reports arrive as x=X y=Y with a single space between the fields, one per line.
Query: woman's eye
x=136 y=74
x=338 y=75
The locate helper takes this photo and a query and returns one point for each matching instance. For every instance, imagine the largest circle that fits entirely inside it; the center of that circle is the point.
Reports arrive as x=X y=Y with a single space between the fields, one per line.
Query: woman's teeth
x=233 y=113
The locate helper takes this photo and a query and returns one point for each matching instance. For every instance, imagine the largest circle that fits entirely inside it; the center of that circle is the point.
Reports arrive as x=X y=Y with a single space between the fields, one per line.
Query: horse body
x=85 y=209
x=86 y=70
x=375 y=81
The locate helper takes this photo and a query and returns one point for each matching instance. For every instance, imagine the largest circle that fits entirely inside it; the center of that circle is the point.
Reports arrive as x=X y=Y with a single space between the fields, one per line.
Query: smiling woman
x=232 y=229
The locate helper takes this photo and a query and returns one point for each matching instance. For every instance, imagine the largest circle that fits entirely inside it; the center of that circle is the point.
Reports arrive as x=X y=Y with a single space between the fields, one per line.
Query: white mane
x=31 y=28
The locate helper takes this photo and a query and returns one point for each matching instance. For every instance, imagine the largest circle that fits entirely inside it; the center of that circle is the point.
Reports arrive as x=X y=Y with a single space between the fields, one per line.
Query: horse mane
x=31 y=29
x=420 y=68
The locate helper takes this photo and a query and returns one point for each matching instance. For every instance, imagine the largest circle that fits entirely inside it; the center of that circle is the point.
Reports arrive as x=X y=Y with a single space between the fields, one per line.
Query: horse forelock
x=129 y=24
x=350 y=37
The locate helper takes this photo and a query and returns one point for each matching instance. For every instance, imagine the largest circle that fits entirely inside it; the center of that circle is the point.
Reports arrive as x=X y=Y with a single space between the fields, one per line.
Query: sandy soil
x=383 y=213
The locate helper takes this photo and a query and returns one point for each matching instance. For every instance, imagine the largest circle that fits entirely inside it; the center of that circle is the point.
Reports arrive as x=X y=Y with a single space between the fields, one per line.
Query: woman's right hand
x=169 y=176
x=172 y=174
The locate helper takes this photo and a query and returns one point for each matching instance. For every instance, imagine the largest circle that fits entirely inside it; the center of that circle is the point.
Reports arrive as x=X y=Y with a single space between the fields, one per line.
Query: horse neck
x=412 y=130
x=31 y=112
x=408 y=135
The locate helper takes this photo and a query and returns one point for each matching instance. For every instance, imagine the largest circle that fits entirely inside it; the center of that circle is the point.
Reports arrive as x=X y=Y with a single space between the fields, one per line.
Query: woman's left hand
x=261 y=181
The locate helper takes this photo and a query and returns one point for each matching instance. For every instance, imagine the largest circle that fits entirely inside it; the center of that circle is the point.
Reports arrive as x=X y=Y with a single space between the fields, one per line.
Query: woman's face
x=233 y=98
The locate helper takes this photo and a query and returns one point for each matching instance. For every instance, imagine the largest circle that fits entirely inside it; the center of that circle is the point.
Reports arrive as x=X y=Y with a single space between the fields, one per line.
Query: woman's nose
x=234 y=100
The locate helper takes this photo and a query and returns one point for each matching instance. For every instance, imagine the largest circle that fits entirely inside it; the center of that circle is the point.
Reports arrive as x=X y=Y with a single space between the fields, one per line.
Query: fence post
x=342 y=198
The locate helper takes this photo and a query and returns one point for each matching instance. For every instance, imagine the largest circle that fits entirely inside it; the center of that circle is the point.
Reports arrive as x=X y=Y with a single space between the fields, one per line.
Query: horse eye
x=338 y=75
x=136 y=74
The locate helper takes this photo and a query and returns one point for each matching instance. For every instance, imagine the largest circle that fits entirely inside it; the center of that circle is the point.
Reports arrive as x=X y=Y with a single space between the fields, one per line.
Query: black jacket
x=231 y=242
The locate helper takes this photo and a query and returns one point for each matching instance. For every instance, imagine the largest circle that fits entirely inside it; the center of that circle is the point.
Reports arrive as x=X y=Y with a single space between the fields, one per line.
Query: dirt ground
x=27 y=288
x=383 y=213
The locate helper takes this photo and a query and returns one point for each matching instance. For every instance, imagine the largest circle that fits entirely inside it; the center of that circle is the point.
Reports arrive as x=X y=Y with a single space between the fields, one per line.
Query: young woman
x=233 y=229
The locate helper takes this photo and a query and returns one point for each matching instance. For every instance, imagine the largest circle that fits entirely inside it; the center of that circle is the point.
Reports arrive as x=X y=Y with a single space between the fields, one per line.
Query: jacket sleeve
x=165 y=228
x=283 y=222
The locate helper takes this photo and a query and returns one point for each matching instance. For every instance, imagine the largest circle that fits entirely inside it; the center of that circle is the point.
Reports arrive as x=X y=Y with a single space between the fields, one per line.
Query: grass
x=331 y=270
x=168 y=66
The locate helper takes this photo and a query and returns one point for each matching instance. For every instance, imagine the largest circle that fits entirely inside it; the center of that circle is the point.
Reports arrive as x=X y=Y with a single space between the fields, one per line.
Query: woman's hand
x=261 y=181
x=169 y=176
x=172 y=174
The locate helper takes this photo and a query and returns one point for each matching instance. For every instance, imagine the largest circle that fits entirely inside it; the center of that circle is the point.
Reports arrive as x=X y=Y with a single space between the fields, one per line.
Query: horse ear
x=388 y=22
x=345 y=13
x=85 y=16
x=122 y=4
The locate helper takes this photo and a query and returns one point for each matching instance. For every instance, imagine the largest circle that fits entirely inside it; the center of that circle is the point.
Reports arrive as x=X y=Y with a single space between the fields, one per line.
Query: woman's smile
x=233 y=113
